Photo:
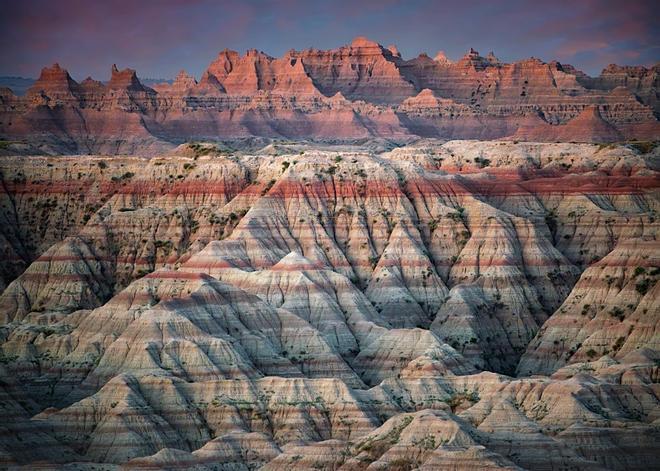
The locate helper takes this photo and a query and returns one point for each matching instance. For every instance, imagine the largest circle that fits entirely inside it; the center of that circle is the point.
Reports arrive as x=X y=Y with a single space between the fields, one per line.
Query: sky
x=159 y=38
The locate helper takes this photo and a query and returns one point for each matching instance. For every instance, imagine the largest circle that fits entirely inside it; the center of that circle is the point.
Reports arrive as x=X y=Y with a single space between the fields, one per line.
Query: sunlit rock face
x=352 y=92
x=293 y=305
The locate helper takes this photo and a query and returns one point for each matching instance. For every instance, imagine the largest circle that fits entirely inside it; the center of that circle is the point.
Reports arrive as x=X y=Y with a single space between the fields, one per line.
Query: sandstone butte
x=362 y=90
x=337 y=260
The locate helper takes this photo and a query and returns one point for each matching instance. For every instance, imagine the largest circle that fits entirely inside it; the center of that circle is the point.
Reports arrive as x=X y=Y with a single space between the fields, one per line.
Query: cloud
x=160 y=37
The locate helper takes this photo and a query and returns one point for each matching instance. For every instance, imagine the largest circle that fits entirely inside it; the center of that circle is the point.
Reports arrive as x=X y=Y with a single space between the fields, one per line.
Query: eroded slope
x=332 y=308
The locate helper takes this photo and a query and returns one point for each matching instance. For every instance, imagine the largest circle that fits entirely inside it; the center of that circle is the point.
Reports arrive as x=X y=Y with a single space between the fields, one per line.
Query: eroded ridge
x=441 y=305
x=356 y=91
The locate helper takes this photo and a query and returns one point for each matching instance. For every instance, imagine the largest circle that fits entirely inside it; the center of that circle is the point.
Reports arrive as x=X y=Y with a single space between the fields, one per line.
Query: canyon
x=359 y=91
x=357 y=304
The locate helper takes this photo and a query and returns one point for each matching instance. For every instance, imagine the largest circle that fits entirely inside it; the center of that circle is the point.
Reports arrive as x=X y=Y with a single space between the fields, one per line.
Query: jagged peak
x=426 y=93
x=472 y=53
x=423 y=58
x=442 y=58
x=294 y=261
x=532 y=60
x=567 y=68
x=125 y=78
x=426 y=97
x=394 y=50
x=256 y=54
x=621 y=91
x=590 y=111
x=473 y=58
x=590 y=123
x=210 y=81
x=90 y=83
x=631 y=70
x=183 y=75
x=362 y=41
x=492 y=58
x=339 y=98
x=184 y=78
x=54 y=71
x=54 y=79
x=223 y=64
x=226 y=52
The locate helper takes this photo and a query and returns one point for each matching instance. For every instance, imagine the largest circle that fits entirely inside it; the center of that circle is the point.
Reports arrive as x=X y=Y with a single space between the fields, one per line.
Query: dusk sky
x=158 y=38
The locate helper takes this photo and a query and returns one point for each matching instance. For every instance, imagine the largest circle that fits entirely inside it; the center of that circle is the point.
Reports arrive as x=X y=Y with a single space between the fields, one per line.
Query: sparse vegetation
x=551 y=221
x=266 y=189
x=644 y=147
x=481 y=163
x=643 y=286
x=458 y=398
x=617 y=312
x=125 y=176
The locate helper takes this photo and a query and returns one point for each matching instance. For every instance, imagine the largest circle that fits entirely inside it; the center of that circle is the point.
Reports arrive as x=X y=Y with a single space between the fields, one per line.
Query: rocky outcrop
x=641 y=81
x=341 y=307
x=613 y=310
x=296 y=96
x=588 y=125
x=363 y=70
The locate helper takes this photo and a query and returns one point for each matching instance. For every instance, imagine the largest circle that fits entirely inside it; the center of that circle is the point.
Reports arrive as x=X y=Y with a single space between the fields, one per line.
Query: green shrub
x=643 y=286
x=639 y=271
x=482 y=163
x=617 y=312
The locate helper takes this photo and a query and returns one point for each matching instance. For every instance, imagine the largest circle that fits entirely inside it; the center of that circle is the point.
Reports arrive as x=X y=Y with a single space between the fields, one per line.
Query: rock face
x=589 y=124
x=355 y=91
x=592 y=322
x=440 y=305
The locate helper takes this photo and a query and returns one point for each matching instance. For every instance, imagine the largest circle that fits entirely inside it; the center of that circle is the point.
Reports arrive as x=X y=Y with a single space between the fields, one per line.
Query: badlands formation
x=438 y=305
x=362 y=90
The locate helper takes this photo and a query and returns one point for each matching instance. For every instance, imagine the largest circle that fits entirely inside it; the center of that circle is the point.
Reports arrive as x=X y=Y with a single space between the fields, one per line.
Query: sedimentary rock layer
x=442 y=305
x=352 y=92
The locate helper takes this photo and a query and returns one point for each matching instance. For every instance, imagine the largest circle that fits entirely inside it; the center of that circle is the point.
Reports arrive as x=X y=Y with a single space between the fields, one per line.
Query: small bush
x=643 y=286
x=639 y=271
x=482 y=163
x=617 y=312
x=644 y=147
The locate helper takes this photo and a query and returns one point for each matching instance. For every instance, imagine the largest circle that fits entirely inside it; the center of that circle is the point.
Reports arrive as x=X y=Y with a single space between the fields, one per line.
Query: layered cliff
x=355 y=91
x=441 y=305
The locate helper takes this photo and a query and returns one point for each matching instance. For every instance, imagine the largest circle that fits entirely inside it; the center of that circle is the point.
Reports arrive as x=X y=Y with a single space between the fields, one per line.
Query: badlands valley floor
x=458 y=305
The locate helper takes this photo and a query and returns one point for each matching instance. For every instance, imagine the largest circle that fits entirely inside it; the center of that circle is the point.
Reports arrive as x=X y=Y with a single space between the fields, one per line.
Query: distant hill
x=20 y=85
x=356 y=91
